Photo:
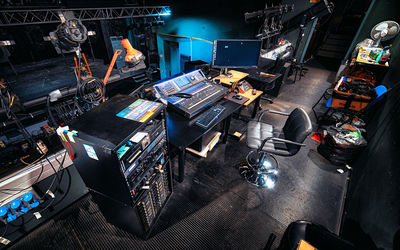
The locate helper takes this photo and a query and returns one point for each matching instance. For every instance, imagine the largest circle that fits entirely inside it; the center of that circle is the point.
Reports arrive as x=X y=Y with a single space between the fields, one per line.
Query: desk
x=183 y=132
x=252 y=98
x=264 y=83
x=236 y=77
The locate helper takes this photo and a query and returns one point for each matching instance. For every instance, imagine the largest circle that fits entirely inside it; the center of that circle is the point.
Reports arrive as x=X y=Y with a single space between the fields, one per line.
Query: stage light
x=166 y=13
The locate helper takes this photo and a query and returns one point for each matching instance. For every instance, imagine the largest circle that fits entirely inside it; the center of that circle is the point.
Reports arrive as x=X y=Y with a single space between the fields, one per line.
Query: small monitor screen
x=236 y=53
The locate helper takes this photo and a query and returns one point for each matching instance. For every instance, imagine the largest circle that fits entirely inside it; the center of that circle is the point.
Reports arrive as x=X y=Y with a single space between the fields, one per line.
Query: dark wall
x=375 y=186
x=206 y=20
x=381 y=10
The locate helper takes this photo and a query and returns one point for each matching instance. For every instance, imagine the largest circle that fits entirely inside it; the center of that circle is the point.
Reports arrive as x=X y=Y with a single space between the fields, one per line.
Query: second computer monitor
x=236 y=53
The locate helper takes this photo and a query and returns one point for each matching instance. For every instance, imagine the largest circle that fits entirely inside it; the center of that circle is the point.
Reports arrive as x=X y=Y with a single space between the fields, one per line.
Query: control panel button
x=27 y=197
x=15 y=204
x=3 y=210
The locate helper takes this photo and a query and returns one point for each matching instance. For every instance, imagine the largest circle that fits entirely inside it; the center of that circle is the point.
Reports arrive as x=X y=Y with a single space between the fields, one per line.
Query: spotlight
x=166 y=13
x=7 y=43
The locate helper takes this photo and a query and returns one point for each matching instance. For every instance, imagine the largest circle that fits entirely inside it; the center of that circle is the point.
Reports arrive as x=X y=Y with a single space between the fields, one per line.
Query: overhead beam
x=42 y=16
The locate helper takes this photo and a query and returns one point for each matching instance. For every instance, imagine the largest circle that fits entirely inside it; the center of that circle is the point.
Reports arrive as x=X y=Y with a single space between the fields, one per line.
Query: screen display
x=182 y=81
x=236 y=53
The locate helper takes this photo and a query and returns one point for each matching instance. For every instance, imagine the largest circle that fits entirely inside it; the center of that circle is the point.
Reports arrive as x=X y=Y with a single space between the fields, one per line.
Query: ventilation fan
x=384 y=31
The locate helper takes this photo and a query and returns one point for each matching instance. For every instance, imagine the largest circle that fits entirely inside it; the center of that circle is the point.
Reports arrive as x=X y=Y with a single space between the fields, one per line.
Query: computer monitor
x=236 y=53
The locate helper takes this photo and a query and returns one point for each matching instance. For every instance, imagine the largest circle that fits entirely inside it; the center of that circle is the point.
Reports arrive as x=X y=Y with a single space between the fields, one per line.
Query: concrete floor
x=214 y=208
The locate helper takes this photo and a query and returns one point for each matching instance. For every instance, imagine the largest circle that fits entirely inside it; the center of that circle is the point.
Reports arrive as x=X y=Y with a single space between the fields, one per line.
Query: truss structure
x=42 y=16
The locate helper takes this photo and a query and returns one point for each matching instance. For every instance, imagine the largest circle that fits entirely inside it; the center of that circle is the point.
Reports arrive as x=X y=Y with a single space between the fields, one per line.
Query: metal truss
x=42 y=16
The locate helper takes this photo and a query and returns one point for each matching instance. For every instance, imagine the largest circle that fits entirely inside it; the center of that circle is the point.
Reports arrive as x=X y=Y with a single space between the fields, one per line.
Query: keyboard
x=209 y=116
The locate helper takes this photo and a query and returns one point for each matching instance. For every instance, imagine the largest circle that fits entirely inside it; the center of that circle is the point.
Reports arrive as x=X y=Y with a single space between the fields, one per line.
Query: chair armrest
x=280 y=140
x=263 y=143
x=287 y=141
x=273 y=112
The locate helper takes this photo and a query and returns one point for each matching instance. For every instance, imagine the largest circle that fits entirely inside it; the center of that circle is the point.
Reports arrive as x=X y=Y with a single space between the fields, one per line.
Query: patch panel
x=17 y=206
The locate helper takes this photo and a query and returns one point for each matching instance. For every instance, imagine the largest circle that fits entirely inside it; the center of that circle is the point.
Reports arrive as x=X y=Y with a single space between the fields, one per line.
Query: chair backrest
x=297 y=127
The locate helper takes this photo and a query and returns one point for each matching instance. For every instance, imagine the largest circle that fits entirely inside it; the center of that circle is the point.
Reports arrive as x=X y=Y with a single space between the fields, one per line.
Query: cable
x=55 y=177
x=91 y=90
x=49 y=111
x=24 y=222
x=188 y=37
x=68 y=146
x=36 y=181
x=49 y=189
x=28 y=164
x=5 y=231
x=25 y=133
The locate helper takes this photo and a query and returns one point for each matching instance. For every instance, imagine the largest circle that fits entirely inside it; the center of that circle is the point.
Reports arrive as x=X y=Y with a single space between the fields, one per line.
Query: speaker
x=198 y=64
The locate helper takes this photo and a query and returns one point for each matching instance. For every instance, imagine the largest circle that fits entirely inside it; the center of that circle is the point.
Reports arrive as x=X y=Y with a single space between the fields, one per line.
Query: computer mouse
x=237 y=97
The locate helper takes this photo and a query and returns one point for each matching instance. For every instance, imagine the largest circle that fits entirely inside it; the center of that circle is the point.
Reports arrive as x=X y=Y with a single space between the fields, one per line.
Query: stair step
x=330 y=54
x=339 y=37
x=333 y=47
x=337 y=42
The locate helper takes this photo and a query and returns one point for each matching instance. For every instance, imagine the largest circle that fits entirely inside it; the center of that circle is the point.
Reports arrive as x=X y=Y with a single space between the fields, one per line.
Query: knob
x=15 y=204
x=3 y=210
x=27 y=197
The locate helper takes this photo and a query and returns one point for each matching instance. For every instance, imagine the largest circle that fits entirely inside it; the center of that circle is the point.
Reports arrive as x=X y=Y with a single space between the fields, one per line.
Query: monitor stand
x=224 y=71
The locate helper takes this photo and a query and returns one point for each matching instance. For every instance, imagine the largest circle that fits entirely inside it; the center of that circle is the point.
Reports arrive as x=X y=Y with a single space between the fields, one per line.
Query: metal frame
x=42 y=16
x=260 y=149
x=272 y=112
x=20 y=181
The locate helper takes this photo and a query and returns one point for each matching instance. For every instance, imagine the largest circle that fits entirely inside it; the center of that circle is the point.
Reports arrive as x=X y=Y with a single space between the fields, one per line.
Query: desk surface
x=249 y=94
x=183 y=132
x=235 y=77
x=254 y=73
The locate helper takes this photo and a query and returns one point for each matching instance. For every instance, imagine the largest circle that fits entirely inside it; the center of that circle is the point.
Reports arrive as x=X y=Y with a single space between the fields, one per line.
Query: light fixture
x=7 y=43
x=167 y=12
x=260 y=169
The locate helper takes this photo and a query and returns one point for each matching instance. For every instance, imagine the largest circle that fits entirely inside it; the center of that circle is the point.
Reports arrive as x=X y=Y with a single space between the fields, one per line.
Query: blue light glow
x=186 y=48
x=166 y=13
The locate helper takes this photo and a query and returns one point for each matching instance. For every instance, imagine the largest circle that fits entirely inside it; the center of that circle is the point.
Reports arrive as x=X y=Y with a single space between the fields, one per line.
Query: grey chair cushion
x=257 y=132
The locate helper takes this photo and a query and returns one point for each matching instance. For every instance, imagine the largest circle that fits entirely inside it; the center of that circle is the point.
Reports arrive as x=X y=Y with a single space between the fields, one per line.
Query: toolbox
x=347 y=98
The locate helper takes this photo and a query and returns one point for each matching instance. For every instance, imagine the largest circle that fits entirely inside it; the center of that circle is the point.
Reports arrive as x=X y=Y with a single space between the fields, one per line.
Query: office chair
x=261 y=168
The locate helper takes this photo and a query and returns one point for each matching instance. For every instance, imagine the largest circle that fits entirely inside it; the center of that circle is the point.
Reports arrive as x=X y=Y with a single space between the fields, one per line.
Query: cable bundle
x=91 y=90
